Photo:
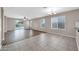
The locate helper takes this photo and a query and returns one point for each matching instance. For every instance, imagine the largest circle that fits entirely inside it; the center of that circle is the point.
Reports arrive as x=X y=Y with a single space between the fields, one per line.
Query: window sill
x=57 y=29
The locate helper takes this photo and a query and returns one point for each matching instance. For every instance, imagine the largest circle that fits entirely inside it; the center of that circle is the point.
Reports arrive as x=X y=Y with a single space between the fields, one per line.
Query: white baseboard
x=65 y=35
x=57 y=34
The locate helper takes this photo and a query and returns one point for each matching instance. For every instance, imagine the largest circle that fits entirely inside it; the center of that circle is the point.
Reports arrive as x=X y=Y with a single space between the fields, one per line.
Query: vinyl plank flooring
x=17 y=35
x=43 y=42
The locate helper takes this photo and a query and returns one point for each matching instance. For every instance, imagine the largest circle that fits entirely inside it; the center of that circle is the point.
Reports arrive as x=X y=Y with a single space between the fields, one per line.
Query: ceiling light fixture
x=51 y=10
x=25 y=18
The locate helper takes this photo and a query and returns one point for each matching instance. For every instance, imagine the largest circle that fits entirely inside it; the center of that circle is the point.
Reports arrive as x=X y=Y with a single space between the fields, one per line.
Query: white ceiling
x=32 y=12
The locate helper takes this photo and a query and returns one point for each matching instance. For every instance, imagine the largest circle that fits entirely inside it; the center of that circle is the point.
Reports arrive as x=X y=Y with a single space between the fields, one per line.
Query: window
x=58 y=22
x=42 y=23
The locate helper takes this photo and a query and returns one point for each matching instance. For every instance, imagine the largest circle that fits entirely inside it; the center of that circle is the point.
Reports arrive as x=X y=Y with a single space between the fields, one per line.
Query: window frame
x=57 y=23
x=42 y=21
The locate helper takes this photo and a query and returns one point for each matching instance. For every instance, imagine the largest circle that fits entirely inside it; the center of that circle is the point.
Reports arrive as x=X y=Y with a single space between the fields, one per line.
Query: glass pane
x=42 y=23
x=61 y=22
x=54 y=22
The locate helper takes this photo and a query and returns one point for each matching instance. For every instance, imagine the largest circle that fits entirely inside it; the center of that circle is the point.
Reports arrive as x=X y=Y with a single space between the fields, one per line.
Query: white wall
x=5 y=24
x=10 y=24
x=0 y=27
x=71 y=18
x=77 y=38
x=77 y=24
x=26 y=24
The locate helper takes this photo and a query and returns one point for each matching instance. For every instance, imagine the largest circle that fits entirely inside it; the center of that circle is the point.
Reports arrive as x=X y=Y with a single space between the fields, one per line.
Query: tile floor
x=43 y=42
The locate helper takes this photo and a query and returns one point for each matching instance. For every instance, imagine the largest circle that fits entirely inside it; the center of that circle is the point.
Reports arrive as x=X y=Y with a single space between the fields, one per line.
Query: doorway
x=19 y=24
